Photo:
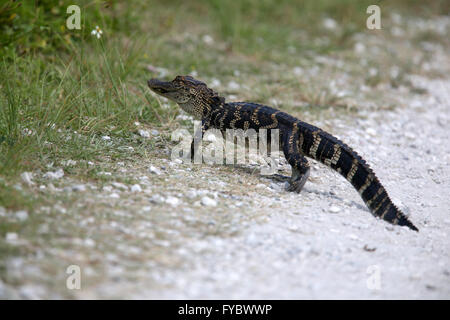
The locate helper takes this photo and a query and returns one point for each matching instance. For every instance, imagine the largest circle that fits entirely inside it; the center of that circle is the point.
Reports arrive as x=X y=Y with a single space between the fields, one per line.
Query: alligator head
x=192 y=95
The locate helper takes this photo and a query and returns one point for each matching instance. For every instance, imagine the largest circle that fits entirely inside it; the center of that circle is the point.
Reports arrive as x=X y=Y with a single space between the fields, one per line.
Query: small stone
x=232 y=85
x=359 y=48
x=330 y=23
x=208 y=39
x=156 y=199
x=207 y=201
x=372 y=132
x=89 y=243
x=136 y=188
x=191 y=194
x=173 y=201
x=11 y=237
x=114 y=195
x=22 y=215
x=334 y=209
x=275 y=186
x=106 y=138
x=215 y=83
x=297 y=71
x=369 y=249
x=79 y=188
x=353 y=236
x=54 y=175
x=120 y=186
x=154 y=170
x=27 y=178
x=144 y=133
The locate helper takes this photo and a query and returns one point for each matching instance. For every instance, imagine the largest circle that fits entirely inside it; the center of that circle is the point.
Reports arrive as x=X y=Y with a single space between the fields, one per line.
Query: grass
x=62 y=90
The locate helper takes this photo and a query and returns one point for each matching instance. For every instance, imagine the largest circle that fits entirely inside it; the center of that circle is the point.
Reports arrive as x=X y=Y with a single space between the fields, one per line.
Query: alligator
x=298 y=140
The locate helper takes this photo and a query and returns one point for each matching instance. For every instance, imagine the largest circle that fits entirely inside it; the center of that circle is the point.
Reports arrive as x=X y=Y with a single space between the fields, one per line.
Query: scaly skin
x=298 y=140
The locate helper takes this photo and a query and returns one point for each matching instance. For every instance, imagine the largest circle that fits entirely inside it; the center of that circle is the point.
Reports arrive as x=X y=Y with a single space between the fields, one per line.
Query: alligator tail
x=332 y=152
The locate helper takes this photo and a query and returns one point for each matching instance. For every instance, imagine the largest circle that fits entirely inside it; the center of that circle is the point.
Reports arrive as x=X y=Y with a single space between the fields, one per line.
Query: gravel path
x=324 y=243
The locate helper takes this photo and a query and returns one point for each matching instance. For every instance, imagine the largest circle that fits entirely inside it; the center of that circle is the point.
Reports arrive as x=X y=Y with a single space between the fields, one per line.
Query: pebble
x=215 y=83
x=78 y=188
x=158 y=199
x=11 y=237
x=22 y=215
x=275 y=186
x=89 y=243
x=120 y=186
x=297 y=71
x=173 y=201
x=144 y=133
x=208 y=39
x=136 y=188
x=106 y=138
x=353 y=236
x=114 y=195
x=371 y=132
x=232 y=85
x=207 y=201
x=410 y=135
x=27 y=178
x=54 y=175
x=329 y=23
x=334 y=209
x=154 y=170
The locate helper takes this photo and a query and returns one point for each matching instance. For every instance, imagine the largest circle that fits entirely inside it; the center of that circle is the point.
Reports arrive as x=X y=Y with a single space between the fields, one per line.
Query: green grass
x=62 y=90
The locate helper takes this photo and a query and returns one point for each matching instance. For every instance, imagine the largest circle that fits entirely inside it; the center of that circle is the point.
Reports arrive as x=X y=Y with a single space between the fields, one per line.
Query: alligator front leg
x=195 y=157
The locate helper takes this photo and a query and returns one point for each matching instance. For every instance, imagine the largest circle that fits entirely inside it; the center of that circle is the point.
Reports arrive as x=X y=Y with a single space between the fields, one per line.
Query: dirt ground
x=199 y=232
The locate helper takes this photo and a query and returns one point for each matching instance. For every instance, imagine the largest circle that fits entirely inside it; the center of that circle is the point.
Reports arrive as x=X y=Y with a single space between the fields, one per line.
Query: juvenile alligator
x=298 y=139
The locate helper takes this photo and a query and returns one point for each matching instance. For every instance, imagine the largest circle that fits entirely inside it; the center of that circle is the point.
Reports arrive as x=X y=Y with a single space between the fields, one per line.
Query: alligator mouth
x=162 y=90
x=160 y=86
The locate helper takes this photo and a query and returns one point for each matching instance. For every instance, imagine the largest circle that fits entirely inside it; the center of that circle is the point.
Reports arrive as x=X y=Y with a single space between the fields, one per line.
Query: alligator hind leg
x=300 y=172
x=299 y=164
x=298 y=178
